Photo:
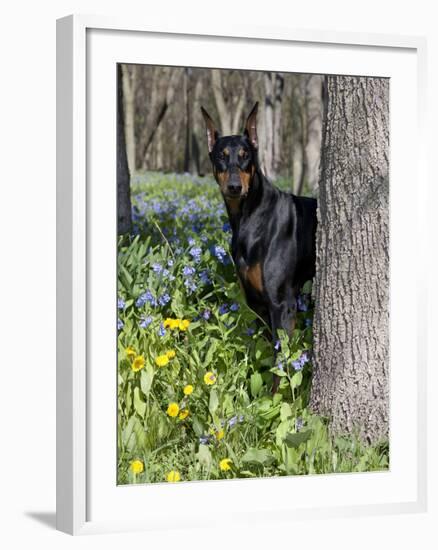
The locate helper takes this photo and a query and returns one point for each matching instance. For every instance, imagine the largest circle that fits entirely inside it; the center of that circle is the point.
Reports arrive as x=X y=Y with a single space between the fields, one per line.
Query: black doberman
x=273 y=232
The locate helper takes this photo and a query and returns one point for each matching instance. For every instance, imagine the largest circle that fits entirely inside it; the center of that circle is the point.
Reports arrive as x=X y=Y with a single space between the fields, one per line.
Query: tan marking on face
x=241 y=152
x=254 y=276
x=222 y=179
x=246 y=179
x=226 y=151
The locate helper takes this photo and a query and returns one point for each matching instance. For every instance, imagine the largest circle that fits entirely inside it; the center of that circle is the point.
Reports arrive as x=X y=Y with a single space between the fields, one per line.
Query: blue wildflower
x=206 y=314
x=164 y=299
x=280 y=366
x=157 y=268
x=223 y=309
x=161 y=330
x=205 y=279
x=277 y=345
x=299 y=423
x=302 y=302
x=169 y=263
x=250 y=331
x=146 y=321
x=190 y=285
x=195 y=253
x=226 y=227
x=234 y=307
x=191 y=241
x=146 y=297
x=121 y=303
x=188 y=271
x=232 y=422
x=220 y=253
x=204 y=440
x=299 y=363
x=120 y=324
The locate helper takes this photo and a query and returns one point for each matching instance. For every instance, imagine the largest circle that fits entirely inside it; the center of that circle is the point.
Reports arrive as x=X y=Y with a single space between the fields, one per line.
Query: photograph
x=253 y=281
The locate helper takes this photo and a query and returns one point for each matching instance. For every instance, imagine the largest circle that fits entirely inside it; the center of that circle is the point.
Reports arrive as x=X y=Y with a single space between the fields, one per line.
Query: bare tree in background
x=306 y=128
x=351 y=323
x=271 y=145
x=123 y=180
x=230 y=99
x=129 y=79
x=159 y=103
x=164 y=128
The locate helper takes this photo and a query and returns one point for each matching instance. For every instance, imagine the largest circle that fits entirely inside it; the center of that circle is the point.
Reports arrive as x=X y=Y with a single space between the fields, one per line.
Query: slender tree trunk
x=278 y=107
x=314 y=129
x=222 y=108
x=351 y=324
x=129 y=73
x=123 y=180
x=158 y=110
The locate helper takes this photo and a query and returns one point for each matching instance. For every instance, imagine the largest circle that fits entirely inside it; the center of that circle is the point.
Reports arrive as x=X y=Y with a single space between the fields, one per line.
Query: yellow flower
x=184 y=324
x=225 y=464
x=130 y=352
x=173 y=409
x=138 y=363
x=170 y=354
x=137 y=466
x=171 y=323
x=209 y=378
x=173 y=476
x=183 y=414
x=220 y=434
x=162 y=360
x=188 y=390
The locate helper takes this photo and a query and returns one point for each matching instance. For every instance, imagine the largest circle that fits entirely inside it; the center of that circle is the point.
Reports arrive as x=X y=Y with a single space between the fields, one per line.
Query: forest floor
x=195 y=365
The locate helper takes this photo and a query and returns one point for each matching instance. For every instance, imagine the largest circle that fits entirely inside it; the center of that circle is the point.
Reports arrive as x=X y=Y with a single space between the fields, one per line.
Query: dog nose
x=234 y=188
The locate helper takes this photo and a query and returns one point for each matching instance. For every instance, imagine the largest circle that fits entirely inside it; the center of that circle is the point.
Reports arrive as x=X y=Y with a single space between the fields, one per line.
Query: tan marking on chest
x=233 y=204
x=253 y=275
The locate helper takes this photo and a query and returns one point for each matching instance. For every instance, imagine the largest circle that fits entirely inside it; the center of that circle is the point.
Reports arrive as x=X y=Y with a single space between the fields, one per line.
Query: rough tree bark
x=351 y=324
x=123 y=179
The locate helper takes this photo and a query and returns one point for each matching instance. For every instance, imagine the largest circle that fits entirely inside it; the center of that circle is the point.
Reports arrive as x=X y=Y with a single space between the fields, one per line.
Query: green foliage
x=177 y=267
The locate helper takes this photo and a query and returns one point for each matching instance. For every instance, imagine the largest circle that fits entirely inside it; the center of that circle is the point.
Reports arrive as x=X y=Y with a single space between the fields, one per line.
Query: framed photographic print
x=232 y=273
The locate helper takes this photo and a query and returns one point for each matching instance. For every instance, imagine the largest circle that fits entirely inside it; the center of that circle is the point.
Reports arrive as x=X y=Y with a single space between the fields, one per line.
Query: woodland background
x=165 y=131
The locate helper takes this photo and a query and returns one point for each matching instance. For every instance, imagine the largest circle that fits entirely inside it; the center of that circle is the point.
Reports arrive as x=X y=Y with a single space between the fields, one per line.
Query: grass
x=195 y=364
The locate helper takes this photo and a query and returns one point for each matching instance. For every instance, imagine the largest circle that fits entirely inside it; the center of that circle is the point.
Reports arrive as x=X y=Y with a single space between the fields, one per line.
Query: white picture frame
x=80 y=487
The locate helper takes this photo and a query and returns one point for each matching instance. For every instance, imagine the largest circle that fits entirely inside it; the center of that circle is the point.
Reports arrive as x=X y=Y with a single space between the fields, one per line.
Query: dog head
x=234 y=158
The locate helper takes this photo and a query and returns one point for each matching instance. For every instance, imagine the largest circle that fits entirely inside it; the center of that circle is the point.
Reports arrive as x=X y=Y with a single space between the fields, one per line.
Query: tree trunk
x=314 y=127
x=156 y=112
x=351 y=324
x=123 y=179
x=129 y=79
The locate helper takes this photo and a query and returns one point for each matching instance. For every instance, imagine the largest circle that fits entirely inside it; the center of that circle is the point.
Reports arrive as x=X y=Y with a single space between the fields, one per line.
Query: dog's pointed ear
x=251 y=127
x=212 y=133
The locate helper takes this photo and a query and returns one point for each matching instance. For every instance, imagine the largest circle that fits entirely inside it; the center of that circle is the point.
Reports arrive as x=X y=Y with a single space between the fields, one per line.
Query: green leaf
x=256 y=382
x=285 y=411
x=258 y=456
x=146 y=378
x=214 y=402
x=294 y=440
x=197 y=426
x=204 y=456
x=296 y=380
x=139 y=404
